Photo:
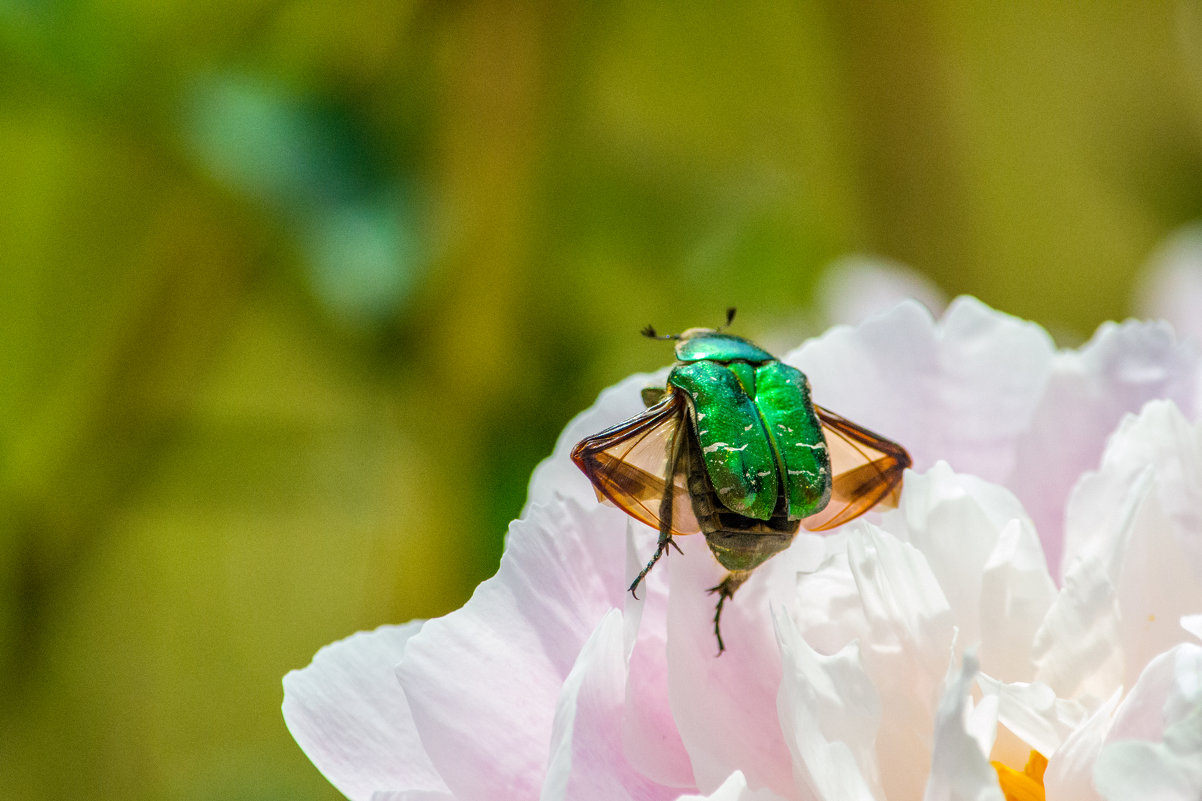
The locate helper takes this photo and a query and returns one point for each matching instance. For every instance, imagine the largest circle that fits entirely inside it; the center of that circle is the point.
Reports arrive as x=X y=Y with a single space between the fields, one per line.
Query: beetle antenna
x=730 y=316
x=649 y=332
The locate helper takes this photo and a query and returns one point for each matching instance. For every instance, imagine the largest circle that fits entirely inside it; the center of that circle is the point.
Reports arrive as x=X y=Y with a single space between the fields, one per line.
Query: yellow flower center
x=1024 y=786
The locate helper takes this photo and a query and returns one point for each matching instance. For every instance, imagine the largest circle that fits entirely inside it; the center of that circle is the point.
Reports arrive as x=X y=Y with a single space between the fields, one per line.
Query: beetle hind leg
x=725 y=590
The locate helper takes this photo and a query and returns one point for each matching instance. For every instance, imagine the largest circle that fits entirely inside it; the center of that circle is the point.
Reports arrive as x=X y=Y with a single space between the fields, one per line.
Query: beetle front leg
x=665 y=540
x=665 y=513
x=653 y=395
x=725 y=590
x=661 y=549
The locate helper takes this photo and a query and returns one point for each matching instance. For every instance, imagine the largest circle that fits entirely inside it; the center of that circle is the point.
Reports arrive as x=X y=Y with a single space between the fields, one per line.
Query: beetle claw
x=725 y=590
x=660 y=550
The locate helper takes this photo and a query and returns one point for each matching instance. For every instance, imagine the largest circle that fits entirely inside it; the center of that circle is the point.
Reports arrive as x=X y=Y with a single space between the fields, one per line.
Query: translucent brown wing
x=628 y=465
x=866 y=469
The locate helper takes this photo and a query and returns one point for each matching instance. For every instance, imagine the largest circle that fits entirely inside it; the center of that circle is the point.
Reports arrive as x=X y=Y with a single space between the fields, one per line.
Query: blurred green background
x=294 y=295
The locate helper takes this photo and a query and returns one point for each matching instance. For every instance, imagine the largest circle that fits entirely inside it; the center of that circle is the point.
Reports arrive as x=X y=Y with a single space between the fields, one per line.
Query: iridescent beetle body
x=734 y=448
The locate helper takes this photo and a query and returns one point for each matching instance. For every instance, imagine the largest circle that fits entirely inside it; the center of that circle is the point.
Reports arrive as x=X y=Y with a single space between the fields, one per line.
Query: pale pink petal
x=1077 y=647
x=587 y=758
x=1069 y=774
x=1034 y=714
x=903 y=602
x=1192 y=624
x=1135 y=525
x=1183 y=709
x=1120 y=369
x=962 y=390
x=827 y=607
x=1016 y=594
x=411 y=795
x=652 y=741
x=829 y=712
x=483 y=681
x=1156 y=588
x=1171 y=288
x=1159 y=437
x=955 y=520
x=1155 y=747
x=960 y=769
x=735 y=789
x=1137 y=771
x=725 y=707
x=1141 y=715
x=911 y=633
x=349 y=714
x=856 y=287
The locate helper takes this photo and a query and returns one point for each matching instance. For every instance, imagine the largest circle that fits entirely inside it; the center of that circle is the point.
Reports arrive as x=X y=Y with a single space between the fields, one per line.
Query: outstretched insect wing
x=866 y=471
x=628 y=464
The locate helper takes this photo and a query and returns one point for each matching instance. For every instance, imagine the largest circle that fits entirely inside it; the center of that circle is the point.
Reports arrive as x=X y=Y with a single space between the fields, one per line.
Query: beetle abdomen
x=738 y=542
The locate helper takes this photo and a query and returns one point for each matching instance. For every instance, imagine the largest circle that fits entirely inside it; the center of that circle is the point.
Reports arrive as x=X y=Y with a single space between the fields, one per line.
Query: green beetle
x=734 y=448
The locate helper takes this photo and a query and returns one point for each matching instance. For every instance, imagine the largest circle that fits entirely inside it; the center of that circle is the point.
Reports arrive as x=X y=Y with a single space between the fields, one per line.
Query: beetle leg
x=726 y=589
x=653 y=395
x=665 y=540
x=665 y=513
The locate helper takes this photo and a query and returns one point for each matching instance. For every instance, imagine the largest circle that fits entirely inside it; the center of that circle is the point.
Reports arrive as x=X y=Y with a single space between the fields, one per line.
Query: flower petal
x=483 y=681
x=349 y=714
x=725 y=707
x=1158 y=436
x=1034 y=714
x=587 y=758
x=981 y=548
x=1172 y=285
x=1132 y=533
x=910 y=634
x=1016 y=594
x=1076 y=648
x=1167 y=765
x=1156 y=588
x=735 y=789
x=1192 y=624
x=903 y=602
x=960 y=769
x=652 y=741
x=827 y=608
x=1070 y=770
x=830 y=712
x=962 y=390
x=1121 y=368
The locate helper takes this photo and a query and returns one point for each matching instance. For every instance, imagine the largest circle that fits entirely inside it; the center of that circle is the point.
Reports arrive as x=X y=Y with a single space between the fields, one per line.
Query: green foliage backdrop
x=294 y=295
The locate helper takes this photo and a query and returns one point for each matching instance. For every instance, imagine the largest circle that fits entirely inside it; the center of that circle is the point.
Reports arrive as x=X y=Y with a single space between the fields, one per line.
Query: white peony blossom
x=1027 y=621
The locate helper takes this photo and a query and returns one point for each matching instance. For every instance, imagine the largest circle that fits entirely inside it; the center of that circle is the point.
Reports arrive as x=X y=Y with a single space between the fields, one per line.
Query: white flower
x=1037 y=594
